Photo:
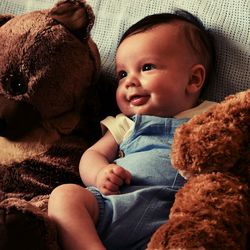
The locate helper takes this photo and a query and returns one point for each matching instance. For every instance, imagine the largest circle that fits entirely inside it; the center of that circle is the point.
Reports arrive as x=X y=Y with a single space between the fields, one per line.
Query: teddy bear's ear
x=4 y=19
x=76 y=15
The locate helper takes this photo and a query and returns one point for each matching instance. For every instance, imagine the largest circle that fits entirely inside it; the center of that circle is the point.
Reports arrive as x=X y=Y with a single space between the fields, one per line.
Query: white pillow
x=227 y=20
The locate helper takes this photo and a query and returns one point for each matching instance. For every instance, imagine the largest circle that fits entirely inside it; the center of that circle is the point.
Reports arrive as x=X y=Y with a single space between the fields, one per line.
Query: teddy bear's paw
x=23 y=226
x=163 y=240
x=185 y=234
x=210 y=212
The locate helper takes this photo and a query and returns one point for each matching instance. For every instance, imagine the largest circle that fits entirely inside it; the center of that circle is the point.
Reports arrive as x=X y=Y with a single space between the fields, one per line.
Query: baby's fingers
x=104 y=190
x=123 y=174
x=115 y=179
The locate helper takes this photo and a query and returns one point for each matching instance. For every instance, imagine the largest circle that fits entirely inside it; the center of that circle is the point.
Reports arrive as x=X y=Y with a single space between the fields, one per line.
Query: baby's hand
x=110 y=178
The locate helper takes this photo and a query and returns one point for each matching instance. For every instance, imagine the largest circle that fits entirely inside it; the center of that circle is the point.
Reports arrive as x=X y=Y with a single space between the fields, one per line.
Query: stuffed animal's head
x=216 y=141
x=47 y=65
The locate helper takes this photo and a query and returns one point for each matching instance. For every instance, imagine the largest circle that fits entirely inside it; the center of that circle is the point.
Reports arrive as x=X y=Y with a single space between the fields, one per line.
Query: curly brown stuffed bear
x=212 y=210
x=49 y=113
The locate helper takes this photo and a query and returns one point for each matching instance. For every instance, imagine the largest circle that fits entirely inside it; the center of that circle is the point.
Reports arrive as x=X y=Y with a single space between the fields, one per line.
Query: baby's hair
x=196 y=34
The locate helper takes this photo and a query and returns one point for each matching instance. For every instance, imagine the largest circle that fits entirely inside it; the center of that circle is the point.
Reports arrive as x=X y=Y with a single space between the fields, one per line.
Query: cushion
x=228 y=21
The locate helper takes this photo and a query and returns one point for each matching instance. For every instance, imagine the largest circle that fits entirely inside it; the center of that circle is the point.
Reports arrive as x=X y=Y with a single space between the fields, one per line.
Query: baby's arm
x=97 y=167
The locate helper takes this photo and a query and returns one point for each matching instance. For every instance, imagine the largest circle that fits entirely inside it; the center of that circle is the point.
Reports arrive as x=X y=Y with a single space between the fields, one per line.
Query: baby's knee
x=63 y=191
x=62 y=196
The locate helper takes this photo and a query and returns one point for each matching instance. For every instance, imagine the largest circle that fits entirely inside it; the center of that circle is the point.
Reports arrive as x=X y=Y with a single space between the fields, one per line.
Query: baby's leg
x=75 y=211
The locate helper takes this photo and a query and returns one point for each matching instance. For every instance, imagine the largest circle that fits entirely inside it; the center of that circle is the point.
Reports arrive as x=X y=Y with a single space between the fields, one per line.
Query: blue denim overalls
x=128 y=220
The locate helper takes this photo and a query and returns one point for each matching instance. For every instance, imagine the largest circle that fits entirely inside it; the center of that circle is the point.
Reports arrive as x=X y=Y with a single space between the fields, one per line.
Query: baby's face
x=154 y=69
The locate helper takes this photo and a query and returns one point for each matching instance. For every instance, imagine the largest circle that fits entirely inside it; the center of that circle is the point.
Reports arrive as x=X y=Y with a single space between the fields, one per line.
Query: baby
x=162 y=65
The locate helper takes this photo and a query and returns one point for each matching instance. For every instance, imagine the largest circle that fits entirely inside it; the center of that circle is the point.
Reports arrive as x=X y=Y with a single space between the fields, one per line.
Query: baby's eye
x=147 y=67
x=121 y=74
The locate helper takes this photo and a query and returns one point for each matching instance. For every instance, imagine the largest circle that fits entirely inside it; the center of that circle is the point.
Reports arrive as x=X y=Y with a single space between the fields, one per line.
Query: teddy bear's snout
x=17 y=118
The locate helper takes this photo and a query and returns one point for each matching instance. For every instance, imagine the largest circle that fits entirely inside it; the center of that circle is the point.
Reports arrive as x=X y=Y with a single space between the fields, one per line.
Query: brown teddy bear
x=49 y=114
x=212 y=210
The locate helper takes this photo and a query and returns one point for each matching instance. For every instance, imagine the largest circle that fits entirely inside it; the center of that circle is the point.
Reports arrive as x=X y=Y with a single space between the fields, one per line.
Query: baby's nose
x=132 y=81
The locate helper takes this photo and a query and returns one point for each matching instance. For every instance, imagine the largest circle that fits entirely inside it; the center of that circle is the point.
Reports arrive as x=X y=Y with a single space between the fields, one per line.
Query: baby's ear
x=197 y=78
x=4 y=19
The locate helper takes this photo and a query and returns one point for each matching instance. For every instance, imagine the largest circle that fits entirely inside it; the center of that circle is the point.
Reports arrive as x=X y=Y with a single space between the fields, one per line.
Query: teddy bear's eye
x=15 y=84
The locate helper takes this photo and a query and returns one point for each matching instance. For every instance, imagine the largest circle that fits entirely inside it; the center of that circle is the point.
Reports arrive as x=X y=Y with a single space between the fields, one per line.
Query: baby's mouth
x=138 y=100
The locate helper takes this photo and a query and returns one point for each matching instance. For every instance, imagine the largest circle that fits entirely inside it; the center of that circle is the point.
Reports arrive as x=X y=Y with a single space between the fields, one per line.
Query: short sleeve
x=119 y=126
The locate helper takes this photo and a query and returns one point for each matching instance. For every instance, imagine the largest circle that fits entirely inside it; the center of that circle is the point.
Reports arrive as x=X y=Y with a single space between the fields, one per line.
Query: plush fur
x=49 y=114
x=212 y=210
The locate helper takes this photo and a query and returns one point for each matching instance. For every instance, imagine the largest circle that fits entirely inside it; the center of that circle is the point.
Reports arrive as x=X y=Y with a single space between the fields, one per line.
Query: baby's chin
x=143 y=110
x=147 y=113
